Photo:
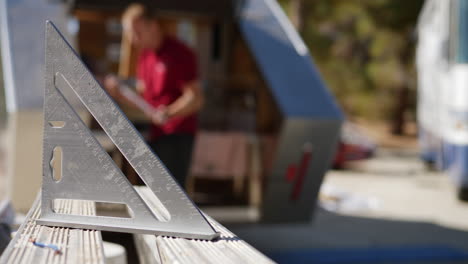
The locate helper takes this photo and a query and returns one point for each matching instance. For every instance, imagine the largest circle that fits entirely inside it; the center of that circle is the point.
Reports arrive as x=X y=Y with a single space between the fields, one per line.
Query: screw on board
x=55 y=248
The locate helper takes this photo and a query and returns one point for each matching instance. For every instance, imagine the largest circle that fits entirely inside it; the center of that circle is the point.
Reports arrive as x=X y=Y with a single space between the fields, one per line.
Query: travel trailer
x=442 y=63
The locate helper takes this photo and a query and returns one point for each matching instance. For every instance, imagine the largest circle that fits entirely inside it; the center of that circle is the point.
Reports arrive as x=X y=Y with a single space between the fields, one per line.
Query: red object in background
x=303 y=167
x=296 y=175
x=291 y=173
x=353 y=145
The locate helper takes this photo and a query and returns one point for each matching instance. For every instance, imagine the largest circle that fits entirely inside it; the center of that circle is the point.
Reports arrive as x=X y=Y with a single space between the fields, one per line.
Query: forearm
x=190 y=102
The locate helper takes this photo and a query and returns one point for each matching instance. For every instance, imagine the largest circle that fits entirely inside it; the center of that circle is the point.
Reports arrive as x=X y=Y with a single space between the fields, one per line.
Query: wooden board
x=85 y=246
x=220 y=155
x=228 y=249
x=76 y=245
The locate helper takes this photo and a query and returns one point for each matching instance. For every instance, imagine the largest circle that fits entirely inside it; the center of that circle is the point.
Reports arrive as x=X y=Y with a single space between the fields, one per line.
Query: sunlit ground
x=397 y=185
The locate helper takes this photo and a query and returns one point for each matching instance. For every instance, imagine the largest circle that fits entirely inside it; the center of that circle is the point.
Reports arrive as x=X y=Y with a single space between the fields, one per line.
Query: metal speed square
x=89 y=173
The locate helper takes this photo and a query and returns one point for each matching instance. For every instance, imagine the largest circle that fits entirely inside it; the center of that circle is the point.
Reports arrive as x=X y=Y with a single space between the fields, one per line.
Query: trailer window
x=462 y=45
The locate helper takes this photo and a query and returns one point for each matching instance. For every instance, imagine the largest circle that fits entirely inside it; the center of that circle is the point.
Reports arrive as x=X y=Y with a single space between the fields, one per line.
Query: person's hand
x=111 y=84
x=159 y=116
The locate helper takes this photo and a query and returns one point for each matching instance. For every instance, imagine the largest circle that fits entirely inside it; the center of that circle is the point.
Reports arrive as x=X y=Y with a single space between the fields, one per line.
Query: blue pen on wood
x=55 y=248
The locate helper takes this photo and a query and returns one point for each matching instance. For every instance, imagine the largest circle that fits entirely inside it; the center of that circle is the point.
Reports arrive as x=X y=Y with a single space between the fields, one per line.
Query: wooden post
x=128 y=57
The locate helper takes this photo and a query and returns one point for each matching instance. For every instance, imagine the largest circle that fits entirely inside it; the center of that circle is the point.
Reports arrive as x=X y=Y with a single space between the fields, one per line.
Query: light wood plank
x=227 y=249
x=76 y=245
x=85 y=246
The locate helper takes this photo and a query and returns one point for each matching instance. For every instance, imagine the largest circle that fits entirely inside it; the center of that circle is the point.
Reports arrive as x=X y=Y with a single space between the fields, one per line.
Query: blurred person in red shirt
x=167 y=79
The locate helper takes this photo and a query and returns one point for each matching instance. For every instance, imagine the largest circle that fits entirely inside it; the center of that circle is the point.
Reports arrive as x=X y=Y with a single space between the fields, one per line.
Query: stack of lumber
x=86 y=246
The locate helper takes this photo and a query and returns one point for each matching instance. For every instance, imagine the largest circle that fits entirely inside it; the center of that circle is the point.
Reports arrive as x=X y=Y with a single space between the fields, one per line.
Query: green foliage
x=364 y=49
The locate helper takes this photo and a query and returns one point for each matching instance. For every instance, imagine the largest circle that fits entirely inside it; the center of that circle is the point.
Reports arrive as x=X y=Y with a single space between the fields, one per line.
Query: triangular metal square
x=88 y=172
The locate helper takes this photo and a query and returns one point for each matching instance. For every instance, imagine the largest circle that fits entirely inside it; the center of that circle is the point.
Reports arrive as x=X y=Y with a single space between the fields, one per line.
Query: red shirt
x=164 y=73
